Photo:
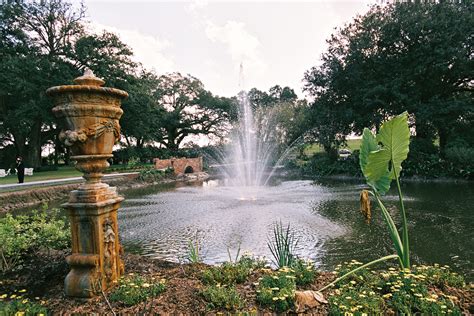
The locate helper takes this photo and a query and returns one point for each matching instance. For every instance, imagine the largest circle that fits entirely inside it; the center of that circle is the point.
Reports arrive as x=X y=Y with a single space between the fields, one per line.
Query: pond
x=161 y=221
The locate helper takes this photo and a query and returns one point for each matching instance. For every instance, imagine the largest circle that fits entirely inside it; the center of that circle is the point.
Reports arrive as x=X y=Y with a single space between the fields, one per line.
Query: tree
x=188 y=109
x=35 y=41
x=414 y=57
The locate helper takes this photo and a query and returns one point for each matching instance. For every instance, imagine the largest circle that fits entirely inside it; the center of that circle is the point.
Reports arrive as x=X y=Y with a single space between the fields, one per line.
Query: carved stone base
x=95 y=261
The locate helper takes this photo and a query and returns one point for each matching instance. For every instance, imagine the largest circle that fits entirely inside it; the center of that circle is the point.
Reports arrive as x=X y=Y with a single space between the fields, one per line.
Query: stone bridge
x=180 y=165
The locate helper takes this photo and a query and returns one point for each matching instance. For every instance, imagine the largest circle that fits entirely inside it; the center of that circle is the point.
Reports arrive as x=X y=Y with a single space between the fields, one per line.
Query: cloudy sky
x=277 y=41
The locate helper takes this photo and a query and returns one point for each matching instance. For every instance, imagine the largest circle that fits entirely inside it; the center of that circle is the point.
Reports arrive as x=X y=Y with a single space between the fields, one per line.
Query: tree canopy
x=414 y=57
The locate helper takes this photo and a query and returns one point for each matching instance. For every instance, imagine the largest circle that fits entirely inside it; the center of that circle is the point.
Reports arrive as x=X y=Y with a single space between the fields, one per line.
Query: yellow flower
x=388 y=295
x=19 y=313
x=25 y=301
x=275 y=298
x=22 y=291
x=13 y=296
x=145 y=285
x=3 y=295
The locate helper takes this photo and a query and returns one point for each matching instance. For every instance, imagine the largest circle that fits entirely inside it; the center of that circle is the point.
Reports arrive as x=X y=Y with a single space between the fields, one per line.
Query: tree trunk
x=33 y=156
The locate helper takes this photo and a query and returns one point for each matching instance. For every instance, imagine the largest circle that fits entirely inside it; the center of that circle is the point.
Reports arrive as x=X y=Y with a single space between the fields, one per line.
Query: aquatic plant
x=282 y=245
x=193 y=251
x=381 y=158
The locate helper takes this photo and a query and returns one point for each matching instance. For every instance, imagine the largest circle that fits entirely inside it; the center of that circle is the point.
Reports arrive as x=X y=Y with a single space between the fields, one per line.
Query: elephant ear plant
x=381 y=158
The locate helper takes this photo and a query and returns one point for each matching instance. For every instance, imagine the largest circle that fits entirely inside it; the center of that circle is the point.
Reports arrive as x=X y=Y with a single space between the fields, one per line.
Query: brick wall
x=180 y=165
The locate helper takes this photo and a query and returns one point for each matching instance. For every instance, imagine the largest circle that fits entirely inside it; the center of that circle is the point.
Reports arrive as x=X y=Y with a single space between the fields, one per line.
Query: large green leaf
x=394 y=138
x=368 y=145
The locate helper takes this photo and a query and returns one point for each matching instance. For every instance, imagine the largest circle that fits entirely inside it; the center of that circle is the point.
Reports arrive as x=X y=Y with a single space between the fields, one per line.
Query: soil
x=43 y=278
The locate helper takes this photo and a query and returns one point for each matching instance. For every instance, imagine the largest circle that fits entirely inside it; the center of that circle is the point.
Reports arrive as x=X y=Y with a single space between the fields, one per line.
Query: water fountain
x=252 y=158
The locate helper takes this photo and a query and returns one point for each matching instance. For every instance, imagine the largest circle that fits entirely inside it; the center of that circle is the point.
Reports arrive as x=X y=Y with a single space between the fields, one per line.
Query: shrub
x=322 y=165
x=21 y=306
x=24 y=235
x=151 y=175
x=225 y=297
x=461 y=160
x=404 y=292
x=304 y=271
x=276 y=290
x=231 y=273
x=133 y=289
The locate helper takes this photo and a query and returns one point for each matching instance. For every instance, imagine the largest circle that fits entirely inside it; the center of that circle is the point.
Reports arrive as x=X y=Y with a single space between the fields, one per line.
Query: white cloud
x=242 y=46
x=148 y=50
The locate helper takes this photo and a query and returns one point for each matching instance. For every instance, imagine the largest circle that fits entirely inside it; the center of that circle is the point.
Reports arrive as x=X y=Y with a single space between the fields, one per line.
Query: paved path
x=44 y=183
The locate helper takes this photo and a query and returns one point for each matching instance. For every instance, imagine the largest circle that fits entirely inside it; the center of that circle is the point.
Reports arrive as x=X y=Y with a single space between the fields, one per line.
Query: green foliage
x=24 y=235
x=461 y=160
x=224 y=297
x=401 y=291
x=132 y=289
x=152 y=174
x=322 y=165
x=21 y=306
x=282 y=245
x=394 y=58
x=276 y=290
x=380 y=158
x=304 y=271
x=193 y=251
x=231 y=273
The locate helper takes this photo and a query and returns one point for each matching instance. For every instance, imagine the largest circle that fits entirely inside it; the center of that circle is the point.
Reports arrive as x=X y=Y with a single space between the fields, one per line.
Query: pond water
x=160 y=221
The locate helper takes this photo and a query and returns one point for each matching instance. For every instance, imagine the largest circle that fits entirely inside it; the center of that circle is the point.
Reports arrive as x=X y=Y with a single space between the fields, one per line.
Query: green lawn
x=352 y=144
x=68 y=172
x=62 y=172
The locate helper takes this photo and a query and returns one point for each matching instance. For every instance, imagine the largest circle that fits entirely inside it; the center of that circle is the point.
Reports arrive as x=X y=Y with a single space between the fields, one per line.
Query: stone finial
x=89 y=79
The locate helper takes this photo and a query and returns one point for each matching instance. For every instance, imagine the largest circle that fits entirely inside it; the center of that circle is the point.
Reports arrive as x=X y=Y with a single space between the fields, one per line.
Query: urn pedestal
x=90 y=116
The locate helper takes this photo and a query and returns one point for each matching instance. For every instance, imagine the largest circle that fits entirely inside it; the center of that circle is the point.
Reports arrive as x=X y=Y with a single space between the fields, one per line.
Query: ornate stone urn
x=90 y=116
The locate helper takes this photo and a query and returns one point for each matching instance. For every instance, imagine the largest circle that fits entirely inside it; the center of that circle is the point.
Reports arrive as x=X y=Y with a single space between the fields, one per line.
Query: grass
x=352 y=144
x=61 y=173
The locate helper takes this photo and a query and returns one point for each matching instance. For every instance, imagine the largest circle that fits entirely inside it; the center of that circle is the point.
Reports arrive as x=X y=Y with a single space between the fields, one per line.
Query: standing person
x=20 y=169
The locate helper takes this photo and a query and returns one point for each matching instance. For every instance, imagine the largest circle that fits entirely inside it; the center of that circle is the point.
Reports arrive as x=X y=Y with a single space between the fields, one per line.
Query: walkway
x=45 y=183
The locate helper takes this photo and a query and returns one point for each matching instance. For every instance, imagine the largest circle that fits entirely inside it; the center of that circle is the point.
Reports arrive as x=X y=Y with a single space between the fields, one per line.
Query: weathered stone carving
x=90 y=115
x=70 y=137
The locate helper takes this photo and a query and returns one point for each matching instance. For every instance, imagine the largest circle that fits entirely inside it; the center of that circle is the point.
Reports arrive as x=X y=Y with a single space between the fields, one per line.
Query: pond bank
x=35 y=197
x=40 y=282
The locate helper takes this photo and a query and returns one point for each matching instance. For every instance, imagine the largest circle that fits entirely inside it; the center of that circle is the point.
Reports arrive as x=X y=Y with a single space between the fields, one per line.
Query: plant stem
x=406 y=248
x=357 y=269
x=397 y=243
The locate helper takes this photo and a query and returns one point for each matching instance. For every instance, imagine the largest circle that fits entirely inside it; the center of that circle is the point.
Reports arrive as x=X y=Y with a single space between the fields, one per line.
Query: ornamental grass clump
x=132 y=289
x=282 y=245
x=276 y=290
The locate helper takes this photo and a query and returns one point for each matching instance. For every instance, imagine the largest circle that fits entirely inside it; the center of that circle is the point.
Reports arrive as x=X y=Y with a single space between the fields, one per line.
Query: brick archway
x=180 y=165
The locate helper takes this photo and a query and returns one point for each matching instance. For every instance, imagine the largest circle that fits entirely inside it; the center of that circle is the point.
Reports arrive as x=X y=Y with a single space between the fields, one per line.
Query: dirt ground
x=43 y=276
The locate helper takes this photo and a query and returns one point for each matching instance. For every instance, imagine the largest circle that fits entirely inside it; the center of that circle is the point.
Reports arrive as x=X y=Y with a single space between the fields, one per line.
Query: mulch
x=43 y=277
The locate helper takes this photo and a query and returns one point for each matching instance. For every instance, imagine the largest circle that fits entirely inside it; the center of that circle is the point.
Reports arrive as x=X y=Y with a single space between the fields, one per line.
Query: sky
x=276 y=41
